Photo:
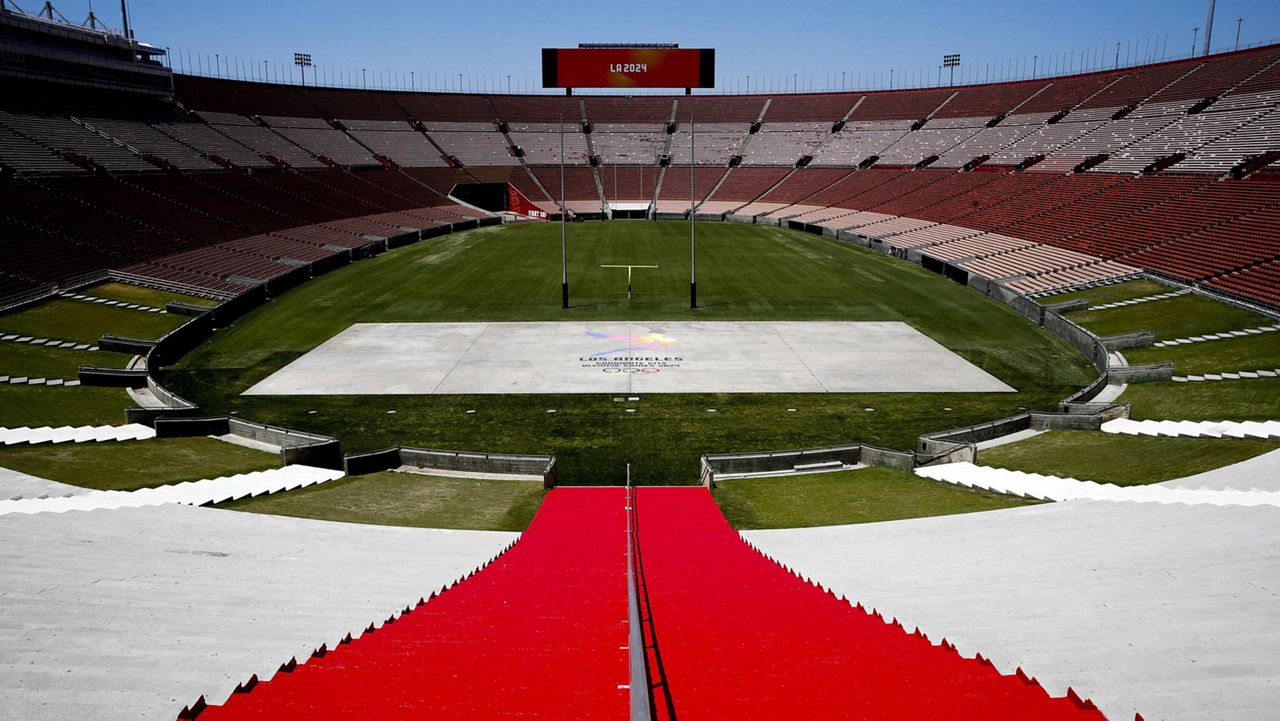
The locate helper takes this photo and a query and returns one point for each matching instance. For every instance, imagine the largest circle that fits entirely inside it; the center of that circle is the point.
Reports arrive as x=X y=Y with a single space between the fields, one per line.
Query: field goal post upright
x=693 y=225
x=564 y=247
x=629 y=269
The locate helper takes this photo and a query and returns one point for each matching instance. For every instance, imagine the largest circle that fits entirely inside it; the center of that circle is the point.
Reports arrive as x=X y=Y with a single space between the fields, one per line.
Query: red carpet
x=739 y=637
x=538 y=634
x=541 y=633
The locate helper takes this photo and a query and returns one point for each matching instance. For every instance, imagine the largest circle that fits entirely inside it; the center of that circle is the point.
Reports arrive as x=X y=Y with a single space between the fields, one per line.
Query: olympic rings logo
x=632 y=371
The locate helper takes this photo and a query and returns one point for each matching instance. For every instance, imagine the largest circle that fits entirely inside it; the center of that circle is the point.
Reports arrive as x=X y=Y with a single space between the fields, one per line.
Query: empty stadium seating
x=160 y=178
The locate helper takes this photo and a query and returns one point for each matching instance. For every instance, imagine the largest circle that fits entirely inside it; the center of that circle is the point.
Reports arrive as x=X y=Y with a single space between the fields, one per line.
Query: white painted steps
x=191 y=493
x=1194 y=429
x=1054 y=488
x=78 y=434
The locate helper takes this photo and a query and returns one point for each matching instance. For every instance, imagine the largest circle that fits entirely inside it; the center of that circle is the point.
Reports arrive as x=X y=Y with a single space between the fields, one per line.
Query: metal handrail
x=637 y=666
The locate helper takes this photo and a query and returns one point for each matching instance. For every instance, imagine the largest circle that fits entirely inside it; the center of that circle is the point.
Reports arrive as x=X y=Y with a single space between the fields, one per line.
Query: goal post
x=629 y=269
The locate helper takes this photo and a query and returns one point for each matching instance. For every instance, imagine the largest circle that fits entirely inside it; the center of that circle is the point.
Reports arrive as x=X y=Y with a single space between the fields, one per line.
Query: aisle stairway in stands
x=536 y=635
x=542 y=632
x=740 y=637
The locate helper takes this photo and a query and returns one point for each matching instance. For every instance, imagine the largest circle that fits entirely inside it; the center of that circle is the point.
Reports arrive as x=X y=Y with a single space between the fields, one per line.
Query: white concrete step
x=1054 y=488
x=1194 y=429
x=192 y=493
x=78 y=434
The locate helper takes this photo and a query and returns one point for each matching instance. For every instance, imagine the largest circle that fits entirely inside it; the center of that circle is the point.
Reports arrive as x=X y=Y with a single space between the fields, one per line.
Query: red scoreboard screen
x=628 y=68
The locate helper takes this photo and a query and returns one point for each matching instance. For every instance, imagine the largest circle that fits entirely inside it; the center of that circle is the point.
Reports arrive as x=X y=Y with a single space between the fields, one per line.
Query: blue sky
x=809 y=41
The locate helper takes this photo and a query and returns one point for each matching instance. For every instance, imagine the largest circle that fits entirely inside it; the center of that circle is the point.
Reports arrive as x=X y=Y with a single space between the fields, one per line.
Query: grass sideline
x=1254 y=399
x=745 y=273
x=408 y=499
x=1120 y=459
x=130 y=465
x=1180 y=317
x=38 y=361
x=1246 y=353
x=87 y=322
x=1111 y=293
x=142 y=295
x=35 y=406
x=868 y=495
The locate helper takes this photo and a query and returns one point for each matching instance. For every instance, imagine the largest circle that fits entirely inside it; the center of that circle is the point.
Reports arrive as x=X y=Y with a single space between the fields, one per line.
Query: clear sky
x=776 y=42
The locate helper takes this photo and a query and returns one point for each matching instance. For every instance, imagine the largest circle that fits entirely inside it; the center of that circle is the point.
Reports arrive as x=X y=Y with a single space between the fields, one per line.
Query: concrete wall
x=112 y=377
x=1139 y=339
x=937 y=442
x=479 y=464
x=901 y=460
x=196 y=426
x=1142 y=373
x=775 y=461
x=1065 y=422
x=121 y=344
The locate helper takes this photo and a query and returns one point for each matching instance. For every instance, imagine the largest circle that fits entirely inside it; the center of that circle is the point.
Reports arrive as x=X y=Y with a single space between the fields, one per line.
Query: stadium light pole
x=564 y=248
x=693 y=225
x=951 y=61
x=303 y=61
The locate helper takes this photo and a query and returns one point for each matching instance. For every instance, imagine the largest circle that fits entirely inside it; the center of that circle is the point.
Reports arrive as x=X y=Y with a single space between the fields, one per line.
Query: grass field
x=1256 y=399
x=1122 y=460
x=1110 y=293
x=130 y=465
x=33 y=406
x=745 y=273
x=409 y=499
x=1181 y=317
x=143 y=296
x=862 y=496
x=34 y=361
x=1247 y=353
x=87 y=322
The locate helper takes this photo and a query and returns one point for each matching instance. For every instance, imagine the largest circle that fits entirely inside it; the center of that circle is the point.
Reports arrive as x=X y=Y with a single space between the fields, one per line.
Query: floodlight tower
x=951 y=61
x=303 y=61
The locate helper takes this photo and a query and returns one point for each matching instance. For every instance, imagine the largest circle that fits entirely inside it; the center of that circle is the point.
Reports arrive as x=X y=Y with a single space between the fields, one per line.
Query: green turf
x=1181 y=317
x=745 y=273
x=1256 y=399
x=142 y=296
x=1112 y=293
x=35 y=361
x=409 y=499
x=1247 y=353
x=1119 y=459
x=87 y=322
x=862 y=496
x=34 y=406
x=130 y=465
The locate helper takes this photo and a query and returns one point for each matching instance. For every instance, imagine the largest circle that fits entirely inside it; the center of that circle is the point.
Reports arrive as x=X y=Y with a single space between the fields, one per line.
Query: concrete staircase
x=1194 y=429
x=1054 y=488
x=191 y=493
x=78 y=434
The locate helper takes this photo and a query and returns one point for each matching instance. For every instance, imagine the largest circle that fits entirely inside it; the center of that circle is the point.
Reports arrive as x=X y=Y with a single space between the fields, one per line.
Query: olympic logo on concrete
x=632 y=371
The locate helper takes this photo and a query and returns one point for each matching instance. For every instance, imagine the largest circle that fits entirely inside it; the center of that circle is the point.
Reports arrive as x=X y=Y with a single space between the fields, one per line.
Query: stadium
x=640 y=393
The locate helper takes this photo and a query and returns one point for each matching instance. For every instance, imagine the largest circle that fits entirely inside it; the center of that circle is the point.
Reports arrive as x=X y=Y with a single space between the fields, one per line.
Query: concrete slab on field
x=628 y=357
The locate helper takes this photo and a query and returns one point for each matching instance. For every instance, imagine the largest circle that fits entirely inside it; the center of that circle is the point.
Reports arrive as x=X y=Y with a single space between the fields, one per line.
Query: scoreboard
x=628 y=67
